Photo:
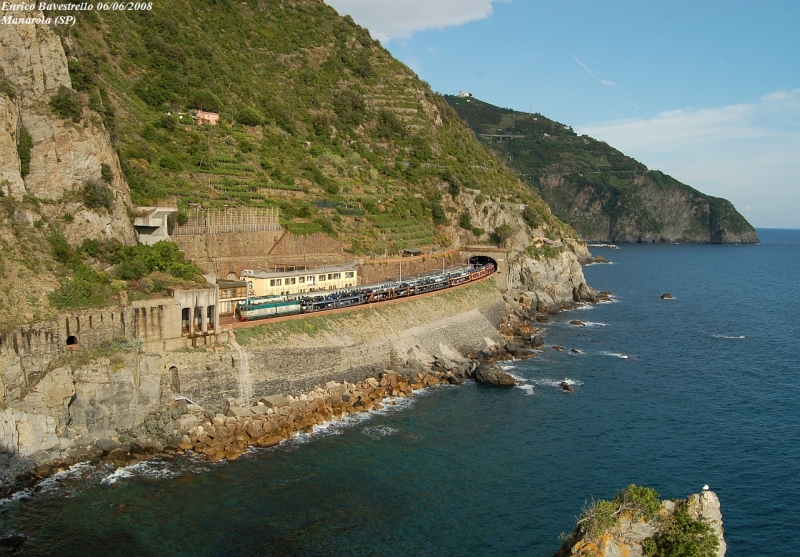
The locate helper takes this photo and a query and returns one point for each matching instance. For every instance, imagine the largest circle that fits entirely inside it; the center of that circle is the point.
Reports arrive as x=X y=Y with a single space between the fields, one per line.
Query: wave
x=733 y=337
x=547 y=382
x=118 y=474
x=527 y=388
x=620 y=355
x=595 y=324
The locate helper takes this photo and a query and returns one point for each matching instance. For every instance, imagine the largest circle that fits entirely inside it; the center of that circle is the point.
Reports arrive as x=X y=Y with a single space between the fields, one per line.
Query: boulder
x=667 y=296
x=239 y=412
x=577 y=323
x=537 y=342
x=566 y=387
x=558 y=348
x=492 y=374
x=275 y=401
x=106 y=445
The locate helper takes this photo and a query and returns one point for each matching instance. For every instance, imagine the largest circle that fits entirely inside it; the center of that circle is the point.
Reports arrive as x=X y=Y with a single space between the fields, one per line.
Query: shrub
x=168 y=122
x=531 y=217
x=204 y=99
x=65 y=103
x=97 y=195
x=138 y=261
x=249 y=117
x=87 y=288
x=350 y=108
x=105 y=173
x=389 y=125
x=24 y=146
x=464 y=221
x=682 y=536
x=82 y=78
x=502 y=234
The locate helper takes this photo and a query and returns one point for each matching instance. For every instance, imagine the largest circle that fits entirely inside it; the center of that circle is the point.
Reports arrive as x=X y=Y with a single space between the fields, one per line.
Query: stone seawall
x=82 y=397
x=292 y=357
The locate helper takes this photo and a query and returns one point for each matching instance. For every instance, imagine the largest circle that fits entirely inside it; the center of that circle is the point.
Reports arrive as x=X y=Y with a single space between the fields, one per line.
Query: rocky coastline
x=227 y=432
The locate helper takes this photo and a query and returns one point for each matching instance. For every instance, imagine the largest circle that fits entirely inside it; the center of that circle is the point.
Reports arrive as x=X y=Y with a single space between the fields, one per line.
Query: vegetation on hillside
x=586 y=182
x=316 y=118
x=136 y=270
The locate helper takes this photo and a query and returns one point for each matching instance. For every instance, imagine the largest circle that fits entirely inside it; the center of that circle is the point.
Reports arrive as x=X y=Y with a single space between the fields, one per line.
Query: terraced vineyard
x=311 y=109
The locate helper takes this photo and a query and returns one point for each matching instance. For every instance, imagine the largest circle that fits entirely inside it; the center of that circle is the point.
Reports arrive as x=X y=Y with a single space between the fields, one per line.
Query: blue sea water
x=671 y=394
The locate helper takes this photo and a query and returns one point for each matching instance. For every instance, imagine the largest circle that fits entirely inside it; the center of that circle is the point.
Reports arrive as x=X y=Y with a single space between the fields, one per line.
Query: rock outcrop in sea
x=623 y=526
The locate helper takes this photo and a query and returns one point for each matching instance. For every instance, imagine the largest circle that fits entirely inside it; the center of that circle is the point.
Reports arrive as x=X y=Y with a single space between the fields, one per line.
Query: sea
x=672 y=394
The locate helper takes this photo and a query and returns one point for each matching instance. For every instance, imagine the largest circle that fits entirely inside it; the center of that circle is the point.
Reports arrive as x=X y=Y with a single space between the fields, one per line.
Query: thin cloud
x=745 y=152
x=591 y=73
x=393 y=19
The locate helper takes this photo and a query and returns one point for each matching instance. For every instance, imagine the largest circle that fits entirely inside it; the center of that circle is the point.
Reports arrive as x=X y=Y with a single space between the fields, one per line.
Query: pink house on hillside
x=204 y=117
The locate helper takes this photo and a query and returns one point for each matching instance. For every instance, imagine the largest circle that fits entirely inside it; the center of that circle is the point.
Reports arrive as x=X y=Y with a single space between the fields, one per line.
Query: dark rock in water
x=542 y=319
x=667 y=296
x=453 y=380
x=10 y=542
x=575 y=351
x=512 y=346
x=558 y=348
x=492 y=374
x=537 y=342
x=566 y=386
x=584 y=293
x=522 y=354
x=577 y=323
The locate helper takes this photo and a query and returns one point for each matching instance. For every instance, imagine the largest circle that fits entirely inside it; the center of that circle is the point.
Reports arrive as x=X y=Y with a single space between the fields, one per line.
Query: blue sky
x=708 y=92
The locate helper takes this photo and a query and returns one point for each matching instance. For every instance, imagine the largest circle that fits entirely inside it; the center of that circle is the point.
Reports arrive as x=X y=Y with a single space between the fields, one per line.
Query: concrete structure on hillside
x=151 y=226
x=187 y=318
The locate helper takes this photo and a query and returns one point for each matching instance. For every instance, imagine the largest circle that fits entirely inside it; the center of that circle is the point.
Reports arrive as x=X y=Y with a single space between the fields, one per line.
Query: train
x=264 y=307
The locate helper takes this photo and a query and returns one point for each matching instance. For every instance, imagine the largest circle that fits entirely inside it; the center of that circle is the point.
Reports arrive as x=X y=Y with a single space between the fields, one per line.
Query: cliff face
x=45 y=164
x=64 y=154
x=603 y=194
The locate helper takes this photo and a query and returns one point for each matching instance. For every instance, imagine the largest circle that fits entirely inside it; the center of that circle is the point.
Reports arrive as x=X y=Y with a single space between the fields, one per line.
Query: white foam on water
x=729 y=337
x=583 y=307
x=378 y=431
x=620 y=355
x=547 y=382
x=118 y=474
x=527 y=388
x=595 y=324
x=154 y=469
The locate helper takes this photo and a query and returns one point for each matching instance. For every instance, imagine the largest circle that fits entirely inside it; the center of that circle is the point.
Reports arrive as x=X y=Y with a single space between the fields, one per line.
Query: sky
x=708 y=92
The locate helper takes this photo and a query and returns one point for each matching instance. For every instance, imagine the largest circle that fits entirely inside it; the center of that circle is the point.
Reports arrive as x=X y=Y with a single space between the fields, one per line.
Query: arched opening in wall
x=174 y=380
x=185 y=323
x=481 y=260
x=231 y=276
x=72 y=342
x=198 y=319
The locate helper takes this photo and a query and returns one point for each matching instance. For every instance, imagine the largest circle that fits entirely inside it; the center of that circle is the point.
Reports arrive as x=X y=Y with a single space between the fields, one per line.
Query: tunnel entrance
x=479 y=260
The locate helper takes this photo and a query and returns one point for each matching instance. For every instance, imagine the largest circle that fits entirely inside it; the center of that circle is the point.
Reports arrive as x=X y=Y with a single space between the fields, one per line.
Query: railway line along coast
x=129 y=235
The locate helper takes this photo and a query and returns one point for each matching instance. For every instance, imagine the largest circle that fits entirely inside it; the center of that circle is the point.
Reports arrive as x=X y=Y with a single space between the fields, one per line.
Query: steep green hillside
x=602 y=193
x=312 y=110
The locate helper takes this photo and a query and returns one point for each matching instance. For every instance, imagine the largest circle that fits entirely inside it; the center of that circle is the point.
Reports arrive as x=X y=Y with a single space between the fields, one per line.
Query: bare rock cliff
x=65 y=154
